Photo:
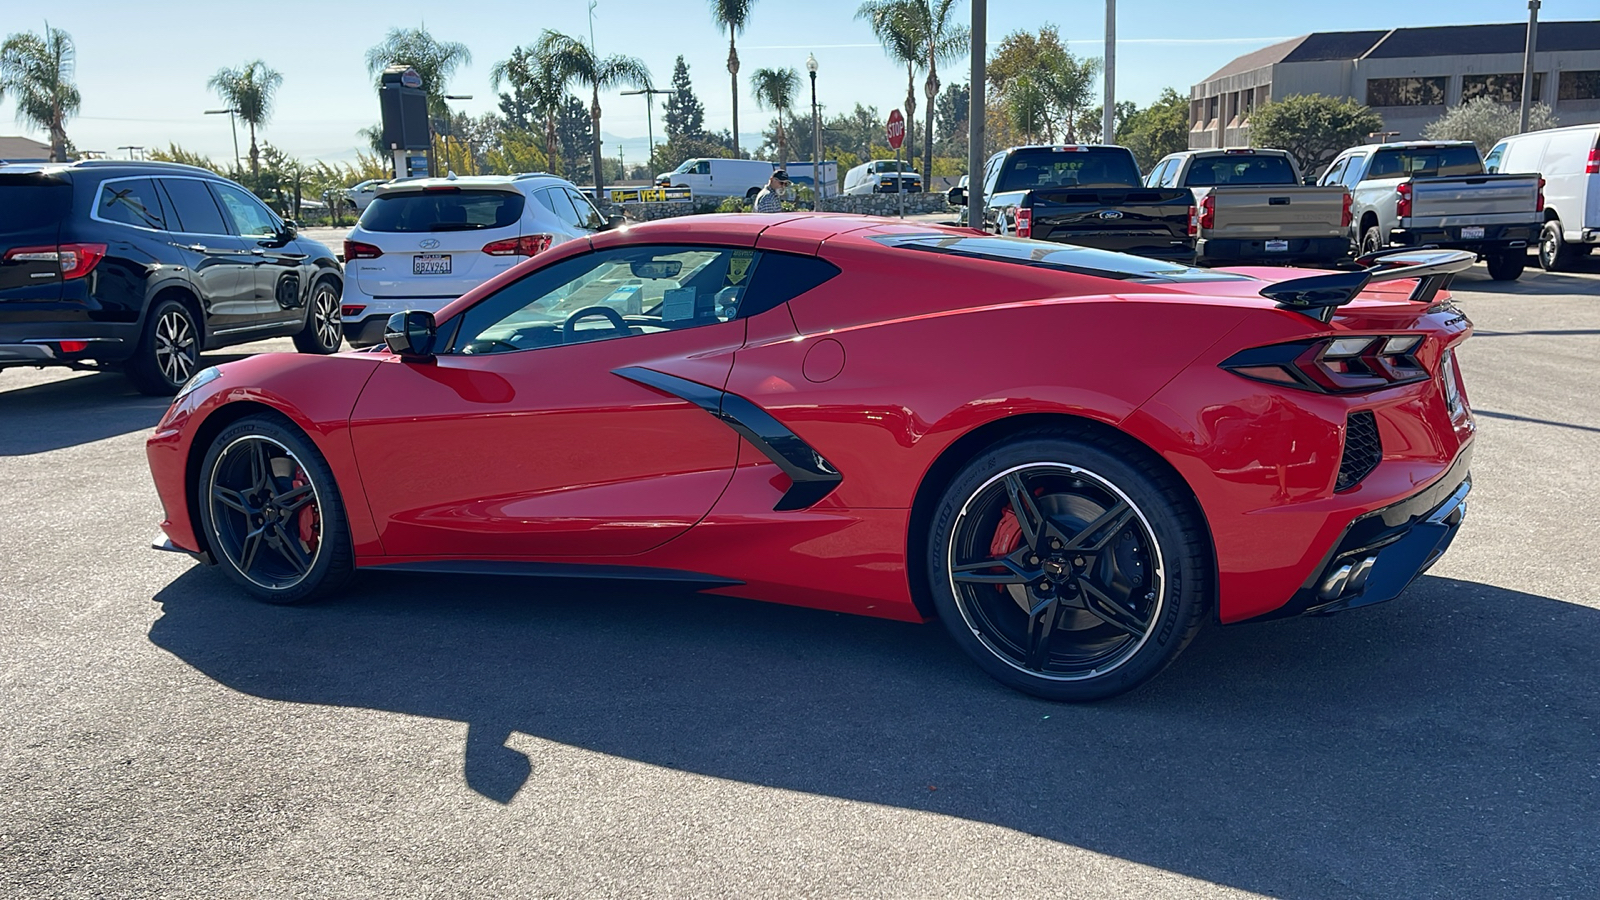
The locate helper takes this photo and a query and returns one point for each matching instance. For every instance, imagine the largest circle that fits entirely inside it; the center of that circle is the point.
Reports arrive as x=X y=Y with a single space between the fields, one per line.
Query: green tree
x=176 y=154
x=434 y=60
x=1158 y=129
x=36 y=70
x=1041 y=85
x=1485 y=122
x=686 y=115
x=1313 y=128
x=250 y=90
x=575 y=139
x=732 y=16
x=571 y=61
x=535 y=90
x=1091 y=121
x=950 y=117
x=775 y=89
x=894 y=23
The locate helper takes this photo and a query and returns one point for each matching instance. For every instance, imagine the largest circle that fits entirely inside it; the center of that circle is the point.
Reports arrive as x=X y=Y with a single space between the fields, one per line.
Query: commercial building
x=1410 y=76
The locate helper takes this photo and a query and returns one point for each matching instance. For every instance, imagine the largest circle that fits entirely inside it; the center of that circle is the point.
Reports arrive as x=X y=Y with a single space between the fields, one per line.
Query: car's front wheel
x=1067 y=565
x=324 y=329
x=168 y=351
x=271 y=511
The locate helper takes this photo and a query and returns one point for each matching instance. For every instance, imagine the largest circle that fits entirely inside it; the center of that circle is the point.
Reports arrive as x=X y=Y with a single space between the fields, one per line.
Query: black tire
x=1116 y=563
x=271 y=513
x=168 y=351
x=751 y=194
x=1371 y=241
x=1507 y=266
x=324 y=330
x=1555 y=255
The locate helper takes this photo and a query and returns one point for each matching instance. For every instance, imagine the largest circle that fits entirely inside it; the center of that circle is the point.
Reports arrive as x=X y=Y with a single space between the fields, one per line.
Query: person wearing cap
x=770 y=200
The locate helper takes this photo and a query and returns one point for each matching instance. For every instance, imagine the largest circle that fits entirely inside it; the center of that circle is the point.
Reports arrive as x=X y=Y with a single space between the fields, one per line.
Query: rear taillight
x=1024 y=223
x=73 y=346
x=1540 y=207
x=1334 y=365
x=75 y=260
x=527 y=245
x=351 y=310
x=1194 y=222
x=1402 y=207
x=1593 y=166
x=358 y=250
x=1346 y=217
x=1208 y=212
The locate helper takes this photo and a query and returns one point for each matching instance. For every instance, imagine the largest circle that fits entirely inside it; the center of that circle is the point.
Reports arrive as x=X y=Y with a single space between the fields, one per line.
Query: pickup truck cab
x=1252 y=206
x=1411 y=193
x=1085 y=194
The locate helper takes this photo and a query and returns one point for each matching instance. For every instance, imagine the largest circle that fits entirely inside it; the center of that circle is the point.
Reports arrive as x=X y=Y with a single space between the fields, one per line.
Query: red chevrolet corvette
x=1072 y=458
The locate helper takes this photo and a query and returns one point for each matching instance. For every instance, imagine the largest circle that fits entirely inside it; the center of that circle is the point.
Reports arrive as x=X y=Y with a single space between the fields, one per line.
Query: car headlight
x=196 y=381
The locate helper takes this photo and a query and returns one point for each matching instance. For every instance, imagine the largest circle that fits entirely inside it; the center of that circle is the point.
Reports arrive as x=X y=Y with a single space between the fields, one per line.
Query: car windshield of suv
x=1426 y=161
x=30 y=203
x=1068 y=167
x=1216 y=171
x=1046 y=255
x=442 y=209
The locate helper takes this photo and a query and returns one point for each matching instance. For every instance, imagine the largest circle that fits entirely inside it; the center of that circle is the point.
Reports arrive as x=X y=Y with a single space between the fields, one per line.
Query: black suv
x=143 y=265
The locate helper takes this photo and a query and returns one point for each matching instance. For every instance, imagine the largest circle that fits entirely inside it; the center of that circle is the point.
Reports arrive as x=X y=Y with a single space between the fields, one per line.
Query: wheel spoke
x=1029 y=518
x=1110 y=521
x=261 y=467
x=289 y=549
x=230 y=498
x=1110 y=611
x=291 y=500
x=1041 y=628
x=247 y=553
x=983 y=572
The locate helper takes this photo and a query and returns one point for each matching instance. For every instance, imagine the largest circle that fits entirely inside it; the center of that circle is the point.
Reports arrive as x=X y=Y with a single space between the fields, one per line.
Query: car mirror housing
x=957 y=196
x=412 y=334
x=612 y=222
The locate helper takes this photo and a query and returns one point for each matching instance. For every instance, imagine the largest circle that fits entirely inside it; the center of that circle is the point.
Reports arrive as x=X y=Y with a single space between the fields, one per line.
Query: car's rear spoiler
x=1319 y=295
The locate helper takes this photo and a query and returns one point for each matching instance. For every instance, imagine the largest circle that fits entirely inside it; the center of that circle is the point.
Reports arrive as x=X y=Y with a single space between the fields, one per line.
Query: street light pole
x=975 y=112
x=649 y=115
x=1527 y=62
x=234 y=124
x=817 y=180
x=1109 y=111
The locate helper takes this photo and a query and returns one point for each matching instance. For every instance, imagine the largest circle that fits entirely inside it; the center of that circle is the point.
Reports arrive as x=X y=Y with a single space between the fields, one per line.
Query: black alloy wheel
x=1067 y=568
x=324 y=330
x=271 y=513
x=168 y=352
x=1554 y=255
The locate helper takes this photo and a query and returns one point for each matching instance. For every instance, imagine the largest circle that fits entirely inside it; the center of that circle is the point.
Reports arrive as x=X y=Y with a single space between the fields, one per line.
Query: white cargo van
x=1569 y=160
x=878 y=176
x=719 y=177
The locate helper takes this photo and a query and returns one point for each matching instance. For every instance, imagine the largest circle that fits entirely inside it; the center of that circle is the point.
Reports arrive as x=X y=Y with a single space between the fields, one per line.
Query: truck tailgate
x=1131 y=220
x=1259 y=212
x=1474 y=200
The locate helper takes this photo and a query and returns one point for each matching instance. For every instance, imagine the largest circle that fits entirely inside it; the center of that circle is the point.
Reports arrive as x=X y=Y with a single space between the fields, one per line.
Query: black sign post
x=404 y=105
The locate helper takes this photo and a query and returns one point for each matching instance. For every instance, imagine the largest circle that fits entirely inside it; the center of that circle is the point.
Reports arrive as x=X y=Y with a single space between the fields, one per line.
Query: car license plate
x=430 y=264
x=1277 y=246
x=1472 y=232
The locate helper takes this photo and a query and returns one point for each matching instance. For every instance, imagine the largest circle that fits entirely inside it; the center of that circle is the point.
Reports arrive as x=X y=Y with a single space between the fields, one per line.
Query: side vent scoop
x=1319 y=295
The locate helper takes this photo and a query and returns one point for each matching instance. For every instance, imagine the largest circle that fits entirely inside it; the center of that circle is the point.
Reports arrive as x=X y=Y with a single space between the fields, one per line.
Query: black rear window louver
x=1362 y=450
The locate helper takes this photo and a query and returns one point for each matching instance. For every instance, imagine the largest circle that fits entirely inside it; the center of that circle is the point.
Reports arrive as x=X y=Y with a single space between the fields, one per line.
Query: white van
x=1569 y=160
x=877 y=176
x=719 y=177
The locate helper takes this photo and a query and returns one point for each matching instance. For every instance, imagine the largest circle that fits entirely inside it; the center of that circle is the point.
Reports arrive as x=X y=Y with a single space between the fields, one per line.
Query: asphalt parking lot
x=424 y=736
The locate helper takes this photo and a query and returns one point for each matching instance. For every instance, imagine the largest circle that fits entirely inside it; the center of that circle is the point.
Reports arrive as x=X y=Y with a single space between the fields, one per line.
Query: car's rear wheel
x=324 y=329
x=1554 y=253
x=168 y=351
x=271 y=512
x=1067 y=566
x=1507 y=266
x=1371 y=241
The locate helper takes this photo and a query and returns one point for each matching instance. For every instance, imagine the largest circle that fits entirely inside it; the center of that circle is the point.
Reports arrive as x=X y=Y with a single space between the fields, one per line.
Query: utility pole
x=1527 y=61
x=649 y=114
x=1109 y=115
x=231 y=111
x=975 y=112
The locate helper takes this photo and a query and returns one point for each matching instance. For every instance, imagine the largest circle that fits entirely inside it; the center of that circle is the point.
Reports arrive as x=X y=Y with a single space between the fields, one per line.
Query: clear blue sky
x=142 y=68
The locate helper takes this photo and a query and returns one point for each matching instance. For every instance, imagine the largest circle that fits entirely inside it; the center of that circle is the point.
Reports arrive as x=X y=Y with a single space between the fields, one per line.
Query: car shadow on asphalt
x=1534 y=281
x=1447 y=738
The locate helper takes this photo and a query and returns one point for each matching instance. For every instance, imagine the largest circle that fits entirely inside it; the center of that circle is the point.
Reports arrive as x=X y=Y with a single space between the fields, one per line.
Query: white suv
x=426 y=241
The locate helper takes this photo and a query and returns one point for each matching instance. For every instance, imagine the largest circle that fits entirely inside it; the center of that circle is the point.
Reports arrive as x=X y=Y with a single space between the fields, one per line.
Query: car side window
x=131 y=201
x=703 y=167
x=1334 y=173
x=194 y=207
x=1354 y=167
x=1491 y=163
x=1169 y=177
x=557 y=201
x=616 y=293
x=250 y=218
x=589 y=218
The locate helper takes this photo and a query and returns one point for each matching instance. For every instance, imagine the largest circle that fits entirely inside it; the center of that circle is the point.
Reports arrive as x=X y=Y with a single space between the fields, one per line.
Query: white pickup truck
x=1436 y=193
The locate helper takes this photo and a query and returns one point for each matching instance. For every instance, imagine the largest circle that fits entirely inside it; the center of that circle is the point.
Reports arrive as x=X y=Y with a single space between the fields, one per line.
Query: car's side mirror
x=613 y=221
x=957 y=196
x=1310 y=179
x=412 y=334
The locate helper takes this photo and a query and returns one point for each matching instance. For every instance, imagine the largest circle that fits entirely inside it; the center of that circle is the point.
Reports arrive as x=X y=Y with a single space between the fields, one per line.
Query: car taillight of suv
x=75 y=260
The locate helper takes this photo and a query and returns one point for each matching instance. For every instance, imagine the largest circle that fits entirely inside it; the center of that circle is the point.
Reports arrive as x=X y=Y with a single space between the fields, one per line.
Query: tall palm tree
x=733 y=16
x=895 y=24
x=434 y=60
x=776 y=89
x=249 y=89
x=37 y=71
x=571 y=60
x=942 y=39
x=532 y=78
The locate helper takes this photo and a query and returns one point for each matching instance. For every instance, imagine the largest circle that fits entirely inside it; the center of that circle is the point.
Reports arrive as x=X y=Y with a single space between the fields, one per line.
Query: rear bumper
x=365 y=315
x=365 y=332
x=40 y=343
x=1380 y=553
x=1496 y=238
x=1323 y=249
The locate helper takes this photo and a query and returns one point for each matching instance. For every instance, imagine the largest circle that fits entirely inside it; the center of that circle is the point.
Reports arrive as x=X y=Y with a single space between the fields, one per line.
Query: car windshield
x=1426 y=161
x=688 y=165
x=1065 y=257
x=30 y=203
x=1069 y=167
x=889 y=165
x=442 y=209
x=1212 y=171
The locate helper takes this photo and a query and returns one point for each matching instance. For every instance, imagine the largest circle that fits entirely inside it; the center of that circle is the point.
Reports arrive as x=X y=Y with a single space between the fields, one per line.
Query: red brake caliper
x=307 y=518
x=1007 y=535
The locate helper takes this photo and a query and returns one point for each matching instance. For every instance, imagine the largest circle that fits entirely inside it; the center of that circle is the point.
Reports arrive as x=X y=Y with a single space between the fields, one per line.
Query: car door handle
x=257 y=251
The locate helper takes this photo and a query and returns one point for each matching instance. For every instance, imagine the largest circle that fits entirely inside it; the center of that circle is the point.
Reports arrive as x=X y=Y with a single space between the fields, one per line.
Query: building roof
x=1441 y=40
x=21 y=149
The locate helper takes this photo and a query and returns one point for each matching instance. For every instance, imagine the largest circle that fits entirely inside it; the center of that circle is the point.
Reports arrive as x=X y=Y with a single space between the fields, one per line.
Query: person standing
x=770 y=200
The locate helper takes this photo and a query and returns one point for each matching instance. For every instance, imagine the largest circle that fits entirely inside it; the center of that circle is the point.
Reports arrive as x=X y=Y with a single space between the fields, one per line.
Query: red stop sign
x=896 y=129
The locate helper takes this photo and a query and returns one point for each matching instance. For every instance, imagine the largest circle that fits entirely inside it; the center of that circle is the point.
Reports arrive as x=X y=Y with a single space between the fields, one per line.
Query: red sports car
x=1072 y=458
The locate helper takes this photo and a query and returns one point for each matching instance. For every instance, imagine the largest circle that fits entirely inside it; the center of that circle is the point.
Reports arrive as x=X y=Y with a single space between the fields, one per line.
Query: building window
x=1427 y=91
x=1500 y=88
x=1580 y=86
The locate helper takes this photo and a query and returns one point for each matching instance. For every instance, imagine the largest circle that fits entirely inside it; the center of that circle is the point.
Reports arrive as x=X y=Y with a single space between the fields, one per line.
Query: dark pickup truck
x=1085 y=194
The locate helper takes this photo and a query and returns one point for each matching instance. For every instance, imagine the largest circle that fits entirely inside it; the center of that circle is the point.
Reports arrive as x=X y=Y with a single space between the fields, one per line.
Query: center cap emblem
x=429 y=244
x=1055 y=568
